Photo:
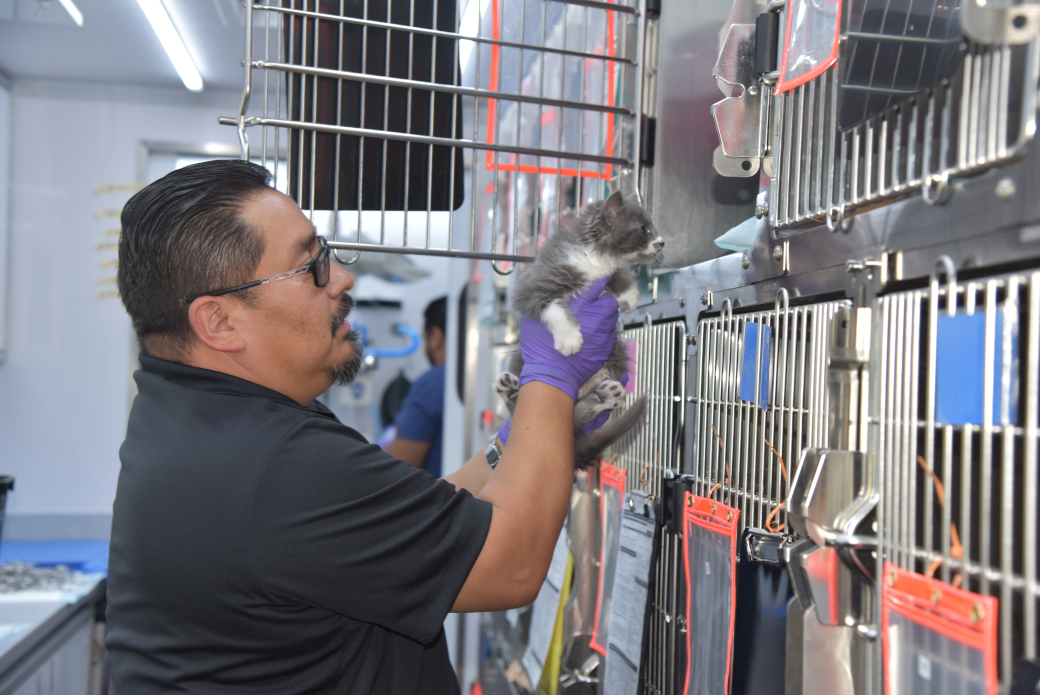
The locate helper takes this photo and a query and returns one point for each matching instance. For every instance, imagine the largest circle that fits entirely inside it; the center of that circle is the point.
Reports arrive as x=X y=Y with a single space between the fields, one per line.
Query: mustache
x=346 y=305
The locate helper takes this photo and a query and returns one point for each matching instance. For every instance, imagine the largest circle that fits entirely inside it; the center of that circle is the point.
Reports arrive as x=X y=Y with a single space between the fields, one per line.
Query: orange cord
x=769 y=519
x=642 y=475
x=724 y=462
x=723 y=447
x=956 y=549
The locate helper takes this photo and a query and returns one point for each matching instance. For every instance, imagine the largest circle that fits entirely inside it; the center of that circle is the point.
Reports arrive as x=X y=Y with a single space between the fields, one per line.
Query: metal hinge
x=648 y=145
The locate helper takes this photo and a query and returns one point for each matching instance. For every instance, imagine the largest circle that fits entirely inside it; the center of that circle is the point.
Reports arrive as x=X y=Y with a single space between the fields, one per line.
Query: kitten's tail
x=589 y=450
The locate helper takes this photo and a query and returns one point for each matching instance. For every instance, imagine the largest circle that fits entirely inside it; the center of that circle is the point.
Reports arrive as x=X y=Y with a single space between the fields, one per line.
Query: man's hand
x=597 y=314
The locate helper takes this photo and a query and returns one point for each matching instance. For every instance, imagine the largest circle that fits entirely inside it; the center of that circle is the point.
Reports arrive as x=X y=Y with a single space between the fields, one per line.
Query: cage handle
x=834 y=221
x=494 y=266
x=945 y=264
x=937 y=182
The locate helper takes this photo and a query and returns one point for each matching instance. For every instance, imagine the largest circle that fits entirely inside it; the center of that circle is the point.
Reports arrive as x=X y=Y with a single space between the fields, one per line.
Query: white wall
x=5 y=171
x=65 y=382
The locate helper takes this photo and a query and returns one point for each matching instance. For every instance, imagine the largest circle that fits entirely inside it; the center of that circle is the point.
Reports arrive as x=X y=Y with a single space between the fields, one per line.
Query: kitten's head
x=621 y=229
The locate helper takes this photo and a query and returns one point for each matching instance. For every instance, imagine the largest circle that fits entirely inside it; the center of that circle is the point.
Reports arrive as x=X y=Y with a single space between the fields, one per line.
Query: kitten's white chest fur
x=567 y=338
x=593 y=265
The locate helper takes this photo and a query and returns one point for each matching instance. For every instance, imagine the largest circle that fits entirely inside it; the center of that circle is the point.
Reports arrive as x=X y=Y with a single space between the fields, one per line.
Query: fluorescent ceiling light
x=171 y=41
x=73 y=11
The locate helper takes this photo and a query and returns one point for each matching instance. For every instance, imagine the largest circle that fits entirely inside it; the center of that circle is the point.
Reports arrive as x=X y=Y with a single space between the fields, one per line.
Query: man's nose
x=341 y=281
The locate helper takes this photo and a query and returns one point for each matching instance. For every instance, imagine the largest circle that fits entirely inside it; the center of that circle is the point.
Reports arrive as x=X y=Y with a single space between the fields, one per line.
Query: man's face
x=299 y=328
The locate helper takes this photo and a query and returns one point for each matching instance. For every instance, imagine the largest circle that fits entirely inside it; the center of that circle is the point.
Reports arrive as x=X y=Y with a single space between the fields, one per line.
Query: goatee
x=346 y=371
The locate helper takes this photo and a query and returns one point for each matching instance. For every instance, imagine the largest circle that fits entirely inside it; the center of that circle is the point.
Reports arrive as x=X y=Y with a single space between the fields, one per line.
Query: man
x=421 y=418
x=260 y=546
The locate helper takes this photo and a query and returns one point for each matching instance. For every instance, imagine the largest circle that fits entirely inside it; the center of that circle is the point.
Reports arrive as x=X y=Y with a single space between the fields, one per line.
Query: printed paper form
x=543 y=615
x=625 y=643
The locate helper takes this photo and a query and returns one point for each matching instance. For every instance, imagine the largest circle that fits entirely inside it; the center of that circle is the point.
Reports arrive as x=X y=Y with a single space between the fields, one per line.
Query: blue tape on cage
x=960 y=374
x=747 y=371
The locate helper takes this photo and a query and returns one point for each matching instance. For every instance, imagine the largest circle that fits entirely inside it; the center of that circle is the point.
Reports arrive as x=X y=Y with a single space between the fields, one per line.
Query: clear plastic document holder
x=811 y=43
x=612 y=494
x=937 y=640
x=709 y=555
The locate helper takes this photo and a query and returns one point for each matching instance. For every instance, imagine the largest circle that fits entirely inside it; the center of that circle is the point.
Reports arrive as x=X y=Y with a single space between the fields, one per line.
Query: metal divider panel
x=612 y=494
x=959 y=497
x=382 y=118
x=659 y=353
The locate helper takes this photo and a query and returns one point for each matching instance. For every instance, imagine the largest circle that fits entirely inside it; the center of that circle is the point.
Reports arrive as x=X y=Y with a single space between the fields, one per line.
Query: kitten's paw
x=611 y=393
x=629 y=299
x=567 y=340
x=506 y=385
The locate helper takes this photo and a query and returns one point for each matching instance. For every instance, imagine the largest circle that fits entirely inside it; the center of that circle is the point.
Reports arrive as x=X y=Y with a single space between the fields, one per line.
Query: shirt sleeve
x=420 y=416
x=337 y=523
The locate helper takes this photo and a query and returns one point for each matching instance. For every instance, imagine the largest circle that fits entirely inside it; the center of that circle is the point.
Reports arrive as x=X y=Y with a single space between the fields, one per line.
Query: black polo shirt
x=261 y=546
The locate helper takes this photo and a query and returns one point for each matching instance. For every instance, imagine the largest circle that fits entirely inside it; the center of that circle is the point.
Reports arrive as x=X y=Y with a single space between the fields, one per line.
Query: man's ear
x=213 y=320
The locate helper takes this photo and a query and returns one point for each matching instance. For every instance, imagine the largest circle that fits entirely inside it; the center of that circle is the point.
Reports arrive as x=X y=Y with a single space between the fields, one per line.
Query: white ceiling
x=38 y=40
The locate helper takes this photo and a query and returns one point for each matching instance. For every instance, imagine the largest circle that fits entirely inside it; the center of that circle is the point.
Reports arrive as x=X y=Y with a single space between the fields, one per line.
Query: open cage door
x=390 y=115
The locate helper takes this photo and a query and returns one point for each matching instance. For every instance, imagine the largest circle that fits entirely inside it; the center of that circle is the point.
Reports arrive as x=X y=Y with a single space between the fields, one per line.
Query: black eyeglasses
x=317 y=266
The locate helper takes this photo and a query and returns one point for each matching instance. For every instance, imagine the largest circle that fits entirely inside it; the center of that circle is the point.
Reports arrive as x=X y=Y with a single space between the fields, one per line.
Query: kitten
x=608 y=238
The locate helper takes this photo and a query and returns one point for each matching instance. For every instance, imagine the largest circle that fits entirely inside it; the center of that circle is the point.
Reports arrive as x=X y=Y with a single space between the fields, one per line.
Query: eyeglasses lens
x=322 y=268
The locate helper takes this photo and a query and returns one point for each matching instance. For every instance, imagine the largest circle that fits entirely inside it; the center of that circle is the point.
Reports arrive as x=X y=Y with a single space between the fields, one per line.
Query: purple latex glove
x=503 y=431
x=587 y=429
x=597 y=314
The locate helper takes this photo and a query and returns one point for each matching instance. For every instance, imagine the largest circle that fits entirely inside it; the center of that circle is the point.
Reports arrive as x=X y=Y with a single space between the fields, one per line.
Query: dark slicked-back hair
x=184 y=235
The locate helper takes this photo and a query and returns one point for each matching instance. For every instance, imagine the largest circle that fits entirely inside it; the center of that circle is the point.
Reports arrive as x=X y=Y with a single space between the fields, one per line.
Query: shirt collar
x=216 y=382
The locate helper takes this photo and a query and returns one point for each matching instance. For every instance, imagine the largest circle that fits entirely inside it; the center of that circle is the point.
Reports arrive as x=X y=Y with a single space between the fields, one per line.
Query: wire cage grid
x=648 y=451
x=745 y=454
x=974 y=486
x=646 y=454
x=979 y=118
x=544 y=151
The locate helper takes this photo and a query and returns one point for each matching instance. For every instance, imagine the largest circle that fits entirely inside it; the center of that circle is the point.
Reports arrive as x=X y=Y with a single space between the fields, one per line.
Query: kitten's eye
x=645 y=230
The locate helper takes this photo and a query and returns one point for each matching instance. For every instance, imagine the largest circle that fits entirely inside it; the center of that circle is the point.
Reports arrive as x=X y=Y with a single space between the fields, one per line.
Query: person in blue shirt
x=420 y=420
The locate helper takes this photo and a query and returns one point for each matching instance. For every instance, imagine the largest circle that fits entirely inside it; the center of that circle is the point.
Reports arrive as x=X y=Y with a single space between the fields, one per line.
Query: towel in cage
x=335 y=170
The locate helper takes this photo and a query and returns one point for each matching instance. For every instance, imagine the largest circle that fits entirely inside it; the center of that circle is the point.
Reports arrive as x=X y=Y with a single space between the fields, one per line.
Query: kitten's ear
x=613 y=206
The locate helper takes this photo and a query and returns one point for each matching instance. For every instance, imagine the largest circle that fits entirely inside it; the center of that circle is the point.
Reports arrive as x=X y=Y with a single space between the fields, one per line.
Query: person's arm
x=410 y=451
x=529 y=492
x=530 y=488
x=472 y=476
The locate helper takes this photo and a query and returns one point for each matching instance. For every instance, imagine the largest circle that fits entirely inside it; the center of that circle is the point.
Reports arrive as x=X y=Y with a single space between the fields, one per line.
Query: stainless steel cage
x=744 y=453
x=979 y=118
x=988 y=472
x=648 y=451
x=648 y=454
x=381 y=117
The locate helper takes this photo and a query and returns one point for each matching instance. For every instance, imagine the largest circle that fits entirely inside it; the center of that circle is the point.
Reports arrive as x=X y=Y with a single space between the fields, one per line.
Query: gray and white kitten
x=608 y=238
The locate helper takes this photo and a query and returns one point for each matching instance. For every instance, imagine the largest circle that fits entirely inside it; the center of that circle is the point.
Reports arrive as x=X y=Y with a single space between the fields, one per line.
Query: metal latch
x=767 y=548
